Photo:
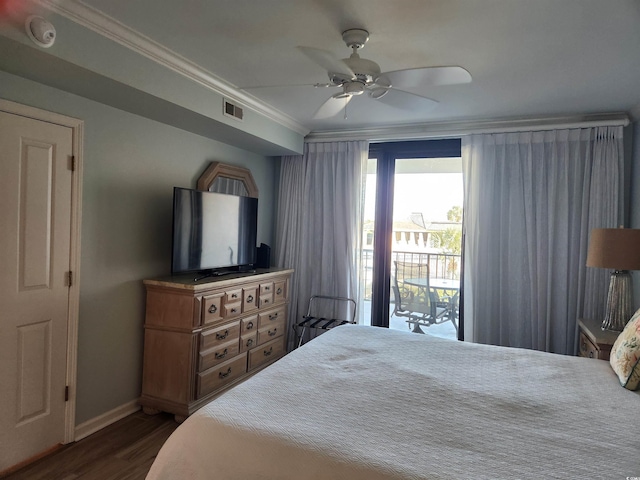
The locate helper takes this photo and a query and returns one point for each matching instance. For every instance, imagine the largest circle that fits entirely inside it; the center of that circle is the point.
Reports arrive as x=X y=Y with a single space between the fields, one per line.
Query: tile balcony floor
x=444 y=330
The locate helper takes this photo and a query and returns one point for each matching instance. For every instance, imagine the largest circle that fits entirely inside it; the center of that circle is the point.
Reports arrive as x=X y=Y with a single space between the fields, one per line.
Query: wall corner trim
x=101 y=421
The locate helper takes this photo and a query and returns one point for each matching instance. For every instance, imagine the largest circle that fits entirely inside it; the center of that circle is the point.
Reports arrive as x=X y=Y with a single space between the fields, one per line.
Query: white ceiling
x=528 y=58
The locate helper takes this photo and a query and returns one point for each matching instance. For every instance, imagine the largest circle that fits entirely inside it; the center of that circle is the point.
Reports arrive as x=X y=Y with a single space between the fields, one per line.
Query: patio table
x=435 y=283
x=446 y=284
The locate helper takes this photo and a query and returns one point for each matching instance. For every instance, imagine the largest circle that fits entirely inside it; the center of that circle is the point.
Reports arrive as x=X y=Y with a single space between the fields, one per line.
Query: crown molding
x=109 y=27
x=457 y=129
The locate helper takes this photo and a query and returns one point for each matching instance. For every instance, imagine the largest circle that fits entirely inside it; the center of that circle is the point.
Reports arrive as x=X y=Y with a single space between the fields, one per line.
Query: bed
x=371 y=403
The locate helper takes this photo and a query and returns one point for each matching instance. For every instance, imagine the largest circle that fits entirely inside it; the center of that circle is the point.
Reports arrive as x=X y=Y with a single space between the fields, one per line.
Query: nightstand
x=595 y=342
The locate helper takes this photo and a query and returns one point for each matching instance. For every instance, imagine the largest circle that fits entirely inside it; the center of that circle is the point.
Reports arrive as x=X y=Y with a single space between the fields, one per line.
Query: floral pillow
x=625 y=354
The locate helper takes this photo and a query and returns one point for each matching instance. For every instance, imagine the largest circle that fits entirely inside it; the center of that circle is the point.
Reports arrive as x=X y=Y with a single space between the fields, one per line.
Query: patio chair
x=416 y=300
x=451 y=304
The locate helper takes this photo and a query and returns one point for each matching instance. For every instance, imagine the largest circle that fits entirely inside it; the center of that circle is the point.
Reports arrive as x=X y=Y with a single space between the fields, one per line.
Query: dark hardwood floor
x=122 y=451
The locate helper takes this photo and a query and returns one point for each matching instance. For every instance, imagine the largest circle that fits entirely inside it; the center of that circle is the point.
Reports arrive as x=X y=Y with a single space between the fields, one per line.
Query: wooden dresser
x=595 y=342
x=203 y=337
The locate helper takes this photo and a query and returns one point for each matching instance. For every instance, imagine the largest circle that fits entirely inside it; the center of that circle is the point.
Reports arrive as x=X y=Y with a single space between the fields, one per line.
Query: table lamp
x=617 y=249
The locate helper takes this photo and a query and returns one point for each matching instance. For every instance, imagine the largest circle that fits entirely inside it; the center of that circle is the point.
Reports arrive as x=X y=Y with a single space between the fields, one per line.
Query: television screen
x=212 y=230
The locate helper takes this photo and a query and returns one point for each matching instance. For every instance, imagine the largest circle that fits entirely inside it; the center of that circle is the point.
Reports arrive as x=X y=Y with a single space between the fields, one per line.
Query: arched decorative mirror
x=229 y=179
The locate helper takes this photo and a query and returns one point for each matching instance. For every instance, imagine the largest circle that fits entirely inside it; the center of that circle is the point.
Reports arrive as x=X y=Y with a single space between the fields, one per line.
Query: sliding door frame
x=386 y=154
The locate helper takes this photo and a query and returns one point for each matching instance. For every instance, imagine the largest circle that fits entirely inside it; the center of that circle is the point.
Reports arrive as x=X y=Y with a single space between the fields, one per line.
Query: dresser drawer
x=249 y=298
x=233 y=296
x=279 y=291
x=266 y=288
x=269 y=332
x=215 y=355
x=266 y=300
x=212 y=308
x=587 y=349
x=232 y=309
x=217 y=336
x=266 y=294
x=248 y=341
x=249 y=324
x=216 y=377
x=267 y=318
x=266 y=353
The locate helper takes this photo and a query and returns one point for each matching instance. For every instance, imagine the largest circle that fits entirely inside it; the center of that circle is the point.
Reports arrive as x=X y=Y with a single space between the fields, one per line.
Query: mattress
x=371 y=403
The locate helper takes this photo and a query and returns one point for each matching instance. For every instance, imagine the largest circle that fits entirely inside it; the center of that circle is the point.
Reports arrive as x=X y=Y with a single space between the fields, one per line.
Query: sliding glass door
x=412 y=231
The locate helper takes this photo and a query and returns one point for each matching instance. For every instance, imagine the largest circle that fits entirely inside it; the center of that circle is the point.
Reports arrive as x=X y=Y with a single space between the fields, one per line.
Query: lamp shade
x=614 y=248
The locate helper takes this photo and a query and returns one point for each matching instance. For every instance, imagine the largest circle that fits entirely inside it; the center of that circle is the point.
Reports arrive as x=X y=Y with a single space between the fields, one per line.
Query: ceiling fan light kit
x=353 y=88
x=356 y=75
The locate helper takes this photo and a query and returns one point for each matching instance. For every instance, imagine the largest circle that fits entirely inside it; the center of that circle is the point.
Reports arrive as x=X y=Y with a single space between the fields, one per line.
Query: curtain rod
x=458 y=129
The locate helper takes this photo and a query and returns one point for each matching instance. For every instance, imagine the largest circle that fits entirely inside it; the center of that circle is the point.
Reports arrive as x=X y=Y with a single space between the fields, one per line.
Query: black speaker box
x=263 y=258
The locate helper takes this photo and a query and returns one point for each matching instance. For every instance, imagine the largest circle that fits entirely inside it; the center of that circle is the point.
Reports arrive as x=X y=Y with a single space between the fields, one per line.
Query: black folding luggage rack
x=311 y=321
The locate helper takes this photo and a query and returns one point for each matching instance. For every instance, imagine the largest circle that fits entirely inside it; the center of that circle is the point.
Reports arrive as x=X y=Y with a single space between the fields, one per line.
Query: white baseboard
x=98 y=423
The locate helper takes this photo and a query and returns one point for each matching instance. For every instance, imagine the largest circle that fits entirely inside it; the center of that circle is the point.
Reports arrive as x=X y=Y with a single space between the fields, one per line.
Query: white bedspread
x=371 y=403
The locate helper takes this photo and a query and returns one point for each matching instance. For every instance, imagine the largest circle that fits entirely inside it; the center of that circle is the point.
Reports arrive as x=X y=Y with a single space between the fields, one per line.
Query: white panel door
x=35 y=232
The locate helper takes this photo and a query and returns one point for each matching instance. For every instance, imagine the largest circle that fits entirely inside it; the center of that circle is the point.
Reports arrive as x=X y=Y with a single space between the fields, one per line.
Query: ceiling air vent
x=233 y=110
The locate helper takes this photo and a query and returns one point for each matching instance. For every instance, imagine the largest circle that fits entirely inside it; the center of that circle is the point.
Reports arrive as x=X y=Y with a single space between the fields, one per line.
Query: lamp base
x=619 y=301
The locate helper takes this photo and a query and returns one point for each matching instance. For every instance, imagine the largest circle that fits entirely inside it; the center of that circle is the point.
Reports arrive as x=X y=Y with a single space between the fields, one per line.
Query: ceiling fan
x=358 y=76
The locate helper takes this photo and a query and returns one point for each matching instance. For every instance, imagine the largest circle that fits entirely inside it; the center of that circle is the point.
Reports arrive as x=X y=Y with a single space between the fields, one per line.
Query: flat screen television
x=213 y=232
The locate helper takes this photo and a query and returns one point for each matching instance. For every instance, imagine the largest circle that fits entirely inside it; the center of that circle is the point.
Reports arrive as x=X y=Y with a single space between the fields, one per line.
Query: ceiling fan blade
x=425 y=77
x=328 y=61
x=332 y=106
x=406 y=100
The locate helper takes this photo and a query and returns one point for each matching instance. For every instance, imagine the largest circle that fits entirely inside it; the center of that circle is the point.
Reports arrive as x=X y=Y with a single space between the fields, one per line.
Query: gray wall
x=131 y=165
x=635 y=201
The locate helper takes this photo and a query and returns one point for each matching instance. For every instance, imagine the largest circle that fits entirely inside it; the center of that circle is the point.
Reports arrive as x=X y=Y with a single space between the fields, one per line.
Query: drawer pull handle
x=267 y=288
x=278 y=291
x=250 y=299
x=222 y=336
x=249 y=325
x=273 y=317
x=213 y=309
x=225 y=374
x=234 y=295
x=221 y=355
x=234 y=310
x=250 y=342
x=271 y=334
x=266 y=353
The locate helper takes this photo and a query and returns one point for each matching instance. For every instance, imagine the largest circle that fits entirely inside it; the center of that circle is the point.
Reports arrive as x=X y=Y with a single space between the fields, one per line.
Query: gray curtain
x=318 y=223
x=531 y=199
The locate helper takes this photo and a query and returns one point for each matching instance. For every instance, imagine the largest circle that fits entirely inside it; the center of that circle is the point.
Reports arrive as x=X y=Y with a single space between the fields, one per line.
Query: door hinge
x=72 y=165
x=66 y=393
x=70 y=278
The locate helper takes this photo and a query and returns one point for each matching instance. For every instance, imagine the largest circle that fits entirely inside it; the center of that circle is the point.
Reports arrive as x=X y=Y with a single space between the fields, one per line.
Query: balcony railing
x=441 y=265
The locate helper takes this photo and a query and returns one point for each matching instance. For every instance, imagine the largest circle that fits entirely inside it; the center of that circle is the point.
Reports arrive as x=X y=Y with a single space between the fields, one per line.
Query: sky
x=432 y=194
